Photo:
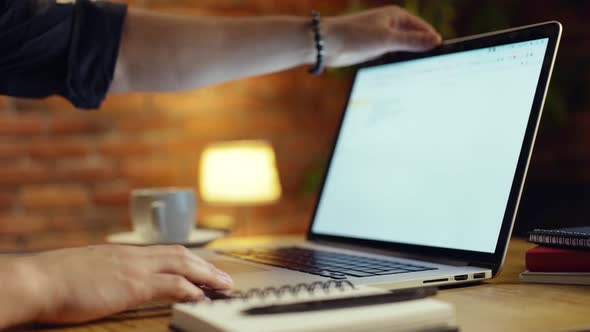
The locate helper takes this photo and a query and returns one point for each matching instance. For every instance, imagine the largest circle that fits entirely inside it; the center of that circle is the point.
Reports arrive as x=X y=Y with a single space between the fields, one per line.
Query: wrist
x=332 y=43
x=326 y=34
x=310 y=52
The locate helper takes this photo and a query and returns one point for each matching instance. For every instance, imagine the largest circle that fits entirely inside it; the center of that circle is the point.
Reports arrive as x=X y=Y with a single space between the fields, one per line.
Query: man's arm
x=162 y=52
x=75 y=49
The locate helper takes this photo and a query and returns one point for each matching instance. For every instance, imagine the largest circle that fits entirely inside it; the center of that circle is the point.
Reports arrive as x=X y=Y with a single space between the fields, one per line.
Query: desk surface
x=501 y=304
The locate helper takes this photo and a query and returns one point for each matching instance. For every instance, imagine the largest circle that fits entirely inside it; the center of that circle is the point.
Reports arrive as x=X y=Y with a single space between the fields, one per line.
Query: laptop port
x=479 y=275
x=461 y=277
x=434 y=280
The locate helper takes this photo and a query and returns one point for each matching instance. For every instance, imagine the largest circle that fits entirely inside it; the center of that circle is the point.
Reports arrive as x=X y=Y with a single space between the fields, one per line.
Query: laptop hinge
x=427 y=258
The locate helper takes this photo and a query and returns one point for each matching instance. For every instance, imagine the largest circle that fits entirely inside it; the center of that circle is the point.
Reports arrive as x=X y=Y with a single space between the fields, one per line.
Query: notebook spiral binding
x=560 y=238
x=293 y=290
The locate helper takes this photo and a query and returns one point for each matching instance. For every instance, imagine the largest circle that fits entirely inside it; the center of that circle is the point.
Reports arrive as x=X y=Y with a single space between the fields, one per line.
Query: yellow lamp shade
x=239 y=173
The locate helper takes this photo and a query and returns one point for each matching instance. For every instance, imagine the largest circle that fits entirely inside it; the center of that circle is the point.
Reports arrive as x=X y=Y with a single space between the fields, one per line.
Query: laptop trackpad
x=234 y=267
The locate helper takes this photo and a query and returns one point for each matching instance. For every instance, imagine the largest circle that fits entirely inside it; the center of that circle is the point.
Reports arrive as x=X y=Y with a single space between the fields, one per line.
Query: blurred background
x=66 y=175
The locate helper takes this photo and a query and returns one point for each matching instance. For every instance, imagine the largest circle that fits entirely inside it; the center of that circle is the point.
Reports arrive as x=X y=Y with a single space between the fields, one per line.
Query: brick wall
x=65 y=175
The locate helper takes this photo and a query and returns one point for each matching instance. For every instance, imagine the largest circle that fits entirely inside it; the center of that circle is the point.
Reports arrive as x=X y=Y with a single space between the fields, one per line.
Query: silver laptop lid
x=433 y=148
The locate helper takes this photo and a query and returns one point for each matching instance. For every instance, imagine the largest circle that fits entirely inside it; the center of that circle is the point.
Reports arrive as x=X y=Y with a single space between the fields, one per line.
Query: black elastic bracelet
x=318 y=68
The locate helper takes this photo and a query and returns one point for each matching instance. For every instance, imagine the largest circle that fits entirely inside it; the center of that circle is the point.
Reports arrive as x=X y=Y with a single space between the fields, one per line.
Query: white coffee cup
x=164 y=215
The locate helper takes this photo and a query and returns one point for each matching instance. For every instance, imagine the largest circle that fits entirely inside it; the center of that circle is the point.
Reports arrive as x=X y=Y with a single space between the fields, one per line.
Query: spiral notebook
x=572 y=237
x=425 y=314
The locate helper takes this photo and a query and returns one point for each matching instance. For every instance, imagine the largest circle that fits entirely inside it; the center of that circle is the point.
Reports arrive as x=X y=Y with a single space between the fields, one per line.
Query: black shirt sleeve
x=52 y=47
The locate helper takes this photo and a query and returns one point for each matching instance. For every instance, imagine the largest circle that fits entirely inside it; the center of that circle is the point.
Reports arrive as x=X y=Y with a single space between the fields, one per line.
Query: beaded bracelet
x=318 y=68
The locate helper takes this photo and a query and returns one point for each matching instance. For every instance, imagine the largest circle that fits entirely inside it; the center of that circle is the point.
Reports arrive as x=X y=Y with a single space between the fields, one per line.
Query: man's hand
x=76 y=285
x=360 y=37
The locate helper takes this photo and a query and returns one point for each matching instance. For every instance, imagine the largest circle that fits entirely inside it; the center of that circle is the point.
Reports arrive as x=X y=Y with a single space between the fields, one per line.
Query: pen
x=345 y=302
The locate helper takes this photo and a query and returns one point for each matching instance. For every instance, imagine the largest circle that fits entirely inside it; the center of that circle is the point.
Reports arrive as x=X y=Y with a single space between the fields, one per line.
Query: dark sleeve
x=50 y=47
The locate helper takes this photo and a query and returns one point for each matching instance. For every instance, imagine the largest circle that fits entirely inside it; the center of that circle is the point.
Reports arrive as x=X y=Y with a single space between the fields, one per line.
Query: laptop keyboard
x=325 y=263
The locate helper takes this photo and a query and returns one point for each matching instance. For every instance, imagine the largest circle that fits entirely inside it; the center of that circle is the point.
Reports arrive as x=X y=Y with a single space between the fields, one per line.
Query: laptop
x=426 y=171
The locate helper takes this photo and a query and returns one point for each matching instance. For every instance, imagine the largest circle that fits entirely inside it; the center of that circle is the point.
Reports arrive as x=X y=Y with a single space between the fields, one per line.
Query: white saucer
x=198 y=237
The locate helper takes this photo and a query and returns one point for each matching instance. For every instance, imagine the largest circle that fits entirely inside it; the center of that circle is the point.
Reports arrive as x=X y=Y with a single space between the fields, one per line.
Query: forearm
x=20 y=293
x=170 y=53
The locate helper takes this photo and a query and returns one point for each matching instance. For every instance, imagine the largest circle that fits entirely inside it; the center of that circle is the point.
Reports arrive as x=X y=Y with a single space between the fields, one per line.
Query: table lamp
x=238 y=174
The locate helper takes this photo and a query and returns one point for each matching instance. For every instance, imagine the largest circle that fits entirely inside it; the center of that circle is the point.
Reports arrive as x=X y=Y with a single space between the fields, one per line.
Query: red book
x=545 y=259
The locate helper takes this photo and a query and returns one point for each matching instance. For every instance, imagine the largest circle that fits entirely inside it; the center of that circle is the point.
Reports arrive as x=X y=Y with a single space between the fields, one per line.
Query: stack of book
x=562 y=256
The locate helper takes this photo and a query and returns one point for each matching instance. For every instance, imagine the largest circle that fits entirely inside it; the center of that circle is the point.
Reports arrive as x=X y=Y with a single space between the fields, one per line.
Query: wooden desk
x=502 y=304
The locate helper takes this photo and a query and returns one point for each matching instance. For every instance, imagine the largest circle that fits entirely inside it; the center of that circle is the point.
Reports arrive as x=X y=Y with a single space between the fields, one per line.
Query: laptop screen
x=428 y=148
